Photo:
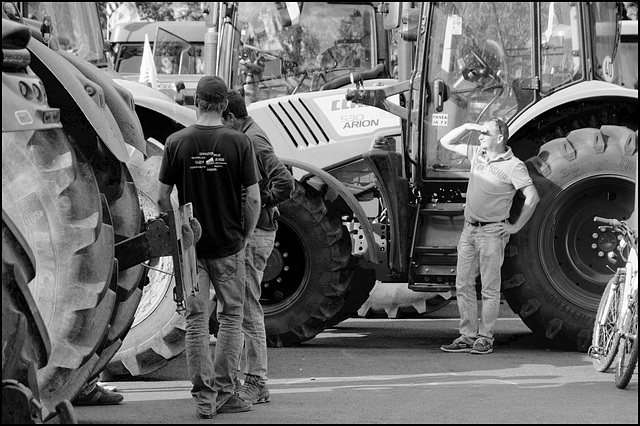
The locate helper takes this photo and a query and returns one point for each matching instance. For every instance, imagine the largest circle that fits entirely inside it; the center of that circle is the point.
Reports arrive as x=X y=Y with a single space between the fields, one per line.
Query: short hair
x=236 y=105
x=502 y=127
x=215 y=104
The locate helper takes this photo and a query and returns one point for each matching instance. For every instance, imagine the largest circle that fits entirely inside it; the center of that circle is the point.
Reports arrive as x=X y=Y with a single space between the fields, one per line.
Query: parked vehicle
x=566 y=81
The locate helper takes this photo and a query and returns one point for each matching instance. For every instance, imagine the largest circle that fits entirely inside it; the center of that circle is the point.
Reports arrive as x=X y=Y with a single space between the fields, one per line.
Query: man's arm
x=164 y=197
x=251 y=211
x=451 y=140
x=279 y=183
x=531 y=201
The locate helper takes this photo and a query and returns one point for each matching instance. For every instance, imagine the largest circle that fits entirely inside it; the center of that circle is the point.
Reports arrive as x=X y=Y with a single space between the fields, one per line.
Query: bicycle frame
x=631 y=280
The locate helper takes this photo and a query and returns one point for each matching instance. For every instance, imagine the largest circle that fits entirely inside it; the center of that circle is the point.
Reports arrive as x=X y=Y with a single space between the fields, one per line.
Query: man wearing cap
x=210 y=164
x=495 y=177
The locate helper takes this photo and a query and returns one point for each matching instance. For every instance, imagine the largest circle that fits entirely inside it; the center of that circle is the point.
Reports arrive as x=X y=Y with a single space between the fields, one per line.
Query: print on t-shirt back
x=209 y=161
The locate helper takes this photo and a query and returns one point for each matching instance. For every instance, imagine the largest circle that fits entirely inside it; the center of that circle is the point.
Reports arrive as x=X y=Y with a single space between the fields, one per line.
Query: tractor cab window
x=561 y=52
x=175 y=55
x=480 y=54
x=276 y=56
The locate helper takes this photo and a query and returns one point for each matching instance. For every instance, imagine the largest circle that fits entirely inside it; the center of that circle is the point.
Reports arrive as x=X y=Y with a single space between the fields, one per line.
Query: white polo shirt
x=493 y=184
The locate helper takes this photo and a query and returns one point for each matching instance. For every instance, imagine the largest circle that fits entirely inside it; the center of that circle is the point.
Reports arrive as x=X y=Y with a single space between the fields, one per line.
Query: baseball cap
x=209 y=86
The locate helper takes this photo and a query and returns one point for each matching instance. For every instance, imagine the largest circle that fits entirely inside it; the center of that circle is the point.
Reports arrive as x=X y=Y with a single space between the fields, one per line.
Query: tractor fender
x=372 y=248
x=96 y=111
x=123 y=112
x=154 y=100
x=581 y=91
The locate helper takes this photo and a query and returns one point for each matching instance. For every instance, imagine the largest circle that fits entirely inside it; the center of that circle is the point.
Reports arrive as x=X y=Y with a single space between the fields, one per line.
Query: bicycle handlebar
x=610 y=222
x=628 y=233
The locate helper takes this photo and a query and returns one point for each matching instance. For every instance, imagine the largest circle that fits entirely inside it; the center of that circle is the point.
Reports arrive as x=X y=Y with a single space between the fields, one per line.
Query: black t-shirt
x=209 y=165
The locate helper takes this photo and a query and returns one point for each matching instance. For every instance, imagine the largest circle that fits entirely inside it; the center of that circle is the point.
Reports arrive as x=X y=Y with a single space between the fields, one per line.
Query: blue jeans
x=480 y=251
x=255 y=340
x=213 y=381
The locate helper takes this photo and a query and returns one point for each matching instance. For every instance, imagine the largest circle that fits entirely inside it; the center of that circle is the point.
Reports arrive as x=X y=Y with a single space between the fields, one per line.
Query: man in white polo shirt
x=495 y=177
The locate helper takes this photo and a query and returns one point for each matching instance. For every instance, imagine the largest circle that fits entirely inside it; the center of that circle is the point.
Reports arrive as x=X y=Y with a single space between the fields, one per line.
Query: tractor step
x=431 y=287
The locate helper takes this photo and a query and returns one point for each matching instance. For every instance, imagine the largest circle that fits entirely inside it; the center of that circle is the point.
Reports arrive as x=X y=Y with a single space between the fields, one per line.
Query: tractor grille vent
x=299 y=123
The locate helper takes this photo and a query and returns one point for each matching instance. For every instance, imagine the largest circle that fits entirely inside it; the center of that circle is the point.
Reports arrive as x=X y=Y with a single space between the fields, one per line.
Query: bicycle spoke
x=628 y=344
x=605 y=336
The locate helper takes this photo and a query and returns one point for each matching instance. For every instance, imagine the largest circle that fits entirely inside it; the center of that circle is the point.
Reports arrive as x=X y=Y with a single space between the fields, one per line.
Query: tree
x=160 y=11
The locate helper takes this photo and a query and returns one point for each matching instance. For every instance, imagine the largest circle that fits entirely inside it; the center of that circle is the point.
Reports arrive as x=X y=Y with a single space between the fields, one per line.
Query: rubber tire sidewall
x=533 y=297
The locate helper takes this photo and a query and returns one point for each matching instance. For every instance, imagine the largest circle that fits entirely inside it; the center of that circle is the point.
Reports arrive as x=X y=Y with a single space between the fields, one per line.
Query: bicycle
x=616 y=326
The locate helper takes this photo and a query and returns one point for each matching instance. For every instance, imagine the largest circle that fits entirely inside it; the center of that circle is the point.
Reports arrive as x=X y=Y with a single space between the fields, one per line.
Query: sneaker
x=206 y=416
x=458 y=345
x=98 y=396
x=234 y=405
x=482 y=347
x=254 y=390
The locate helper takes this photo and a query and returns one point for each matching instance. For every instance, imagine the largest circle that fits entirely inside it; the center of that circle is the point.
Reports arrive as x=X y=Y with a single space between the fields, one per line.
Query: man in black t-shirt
x=210 y=164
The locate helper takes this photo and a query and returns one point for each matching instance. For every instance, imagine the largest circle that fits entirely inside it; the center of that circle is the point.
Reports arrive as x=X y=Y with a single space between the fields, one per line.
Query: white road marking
x=396 y=320
x=526 y=376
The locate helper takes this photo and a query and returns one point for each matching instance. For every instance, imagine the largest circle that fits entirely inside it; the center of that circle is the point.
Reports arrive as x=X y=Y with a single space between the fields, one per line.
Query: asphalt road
x=392 y=371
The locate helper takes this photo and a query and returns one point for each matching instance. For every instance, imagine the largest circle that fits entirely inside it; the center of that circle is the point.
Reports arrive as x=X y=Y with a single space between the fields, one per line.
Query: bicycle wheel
x=604 y=343
x=628 y=345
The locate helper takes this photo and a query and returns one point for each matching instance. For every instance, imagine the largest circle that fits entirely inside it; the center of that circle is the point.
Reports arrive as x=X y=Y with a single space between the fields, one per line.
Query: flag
x=148 y=73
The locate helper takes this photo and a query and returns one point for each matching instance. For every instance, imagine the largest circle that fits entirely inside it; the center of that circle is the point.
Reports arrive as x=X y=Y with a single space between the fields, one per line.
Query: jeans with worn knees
x=213 y=381
x=255 y=340
x=480 y=251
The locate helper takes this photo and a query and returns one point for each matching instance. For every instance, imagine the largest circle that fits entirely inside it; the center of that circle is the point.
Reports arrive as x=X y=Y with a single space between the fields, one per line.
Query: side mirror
x=391 y=14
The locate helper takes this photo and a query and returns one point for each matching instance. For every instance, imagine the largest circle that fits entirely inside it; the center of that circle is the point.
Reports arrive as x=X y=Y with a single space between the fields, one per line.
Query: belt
x=483 y=223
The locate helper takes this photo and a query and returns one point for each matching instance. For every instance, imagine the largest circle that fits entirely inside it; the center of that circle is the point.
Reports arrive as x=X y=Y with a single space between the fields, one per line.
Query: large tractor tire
x=118 y=198
x=308 y=273
x=557 y=266
x=52 y=197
